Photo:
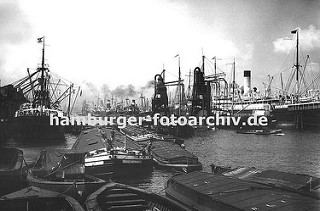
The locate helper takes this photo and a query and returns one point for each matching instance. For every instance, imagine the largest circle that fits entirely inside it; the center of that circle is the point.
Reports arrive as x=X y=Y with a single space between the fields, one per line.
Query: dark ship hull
x=11 y=170
x=178 y=130
x=301 y=114
x=4 y=130
x=36 y=128
x=10 y=100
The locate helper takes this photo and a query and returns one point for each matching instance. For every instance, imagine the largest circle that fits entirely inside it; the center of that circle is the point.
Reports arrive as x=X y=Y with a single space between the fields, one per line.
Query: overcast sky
x=128 y=42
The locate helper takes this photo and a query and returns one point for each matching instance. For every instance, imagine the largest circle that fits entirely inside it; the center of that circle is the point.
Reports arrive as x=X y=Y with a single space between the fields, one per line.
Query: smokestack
x=247 y=81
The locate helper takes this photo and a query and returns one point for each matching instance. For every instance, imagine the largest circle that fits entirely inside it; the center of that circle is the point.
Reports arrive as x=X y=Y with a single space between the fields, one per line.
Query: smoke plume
x=92 y=93
x=122 y=91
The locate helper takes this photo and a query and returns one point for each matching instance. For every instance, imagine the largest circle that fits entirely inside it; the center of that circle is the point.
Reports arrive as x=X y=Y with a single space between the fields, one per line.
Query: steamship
x=212 y=94
x=31 y=121
x=301 y=108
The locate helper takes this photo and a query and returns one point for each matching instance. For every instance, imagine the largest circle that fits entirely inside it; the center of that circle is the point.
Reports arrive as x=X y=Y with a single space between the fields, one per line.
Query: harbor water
x=297 y=151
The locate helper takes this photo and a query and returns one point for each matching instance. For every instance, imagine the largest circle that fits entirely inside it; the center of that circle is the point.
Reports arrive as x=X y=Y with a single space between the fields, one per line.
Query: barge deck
x=168 y=154
x=206 y=191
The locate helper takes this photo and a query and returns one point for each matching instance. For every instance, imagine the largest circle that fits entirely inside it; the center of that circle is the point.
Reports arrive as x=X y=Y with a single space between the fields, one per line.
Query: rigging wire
x=311 y=73
x=211 y=63
x=284 y=63
x=60 y=77
x=13 y=73
x=282 y=70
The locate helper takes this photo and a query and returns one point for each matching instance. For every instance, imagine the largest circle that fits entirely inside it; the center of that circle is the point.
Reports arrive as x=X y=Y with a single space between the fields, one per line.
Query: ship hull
x=301 y=115
x=118 y=166
x=76 y=189
x=36 y=128
x=11 y=170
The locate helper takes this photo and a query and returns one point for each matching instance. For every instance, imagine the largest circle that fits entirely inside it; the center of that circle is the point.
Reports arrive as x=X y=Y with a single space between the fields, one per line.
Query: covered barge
x=168 y=154
x=205 y=191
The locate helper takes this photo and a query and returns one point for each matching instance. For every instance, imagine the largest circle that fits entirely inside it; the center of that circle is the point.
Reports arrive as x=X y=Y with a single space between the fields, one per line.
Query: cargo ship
x=301 y=107
x=45 y=92
x=212 y=95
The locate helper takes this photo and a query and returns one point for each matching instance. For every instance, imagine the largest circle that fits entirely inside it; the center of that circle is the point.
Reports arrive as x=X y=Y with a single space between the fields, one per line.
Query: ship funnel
x=247 y=81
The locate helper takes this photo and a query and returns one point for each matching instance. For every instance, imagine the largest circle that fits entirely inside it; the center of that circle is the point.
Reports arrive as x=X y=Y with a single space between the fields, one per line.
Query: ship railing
x=304 y=106
x=37 y=112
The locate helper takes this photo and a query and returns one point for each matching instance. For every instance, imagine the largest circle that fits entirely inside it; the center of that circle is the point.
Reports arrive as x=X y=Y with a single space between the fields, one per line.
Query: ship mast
x=179 y=84
x=233 y=82
x=69 y=103
x=163 y=73
x=215 y=74
x=281 y=80
x=296 y=31
x=42 y=96
x=203 y=85
x=42 y=72
x=189 y=86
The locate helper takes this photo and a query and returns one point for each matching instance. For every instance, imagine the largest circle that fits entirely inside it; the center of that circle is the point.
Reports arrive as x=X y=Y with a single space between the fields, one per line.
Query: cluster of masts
x=223 y=90
x=220 y=89
x=142 y=104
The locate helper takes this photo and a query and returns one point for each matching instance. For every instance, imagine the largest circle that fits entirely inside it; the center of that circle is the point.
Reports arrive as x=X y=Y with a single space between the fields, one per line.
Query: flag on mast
x=294 y=31
x=176 y=56
x=40 y=39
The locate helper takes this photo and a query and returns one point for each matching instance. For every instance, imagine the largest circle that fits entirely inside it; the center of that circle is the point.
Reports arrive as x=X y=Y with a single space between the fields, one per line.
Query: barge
x=170 y=155
x=117 y=162
x=110 y=153
x=205 y=191
x=143 y=136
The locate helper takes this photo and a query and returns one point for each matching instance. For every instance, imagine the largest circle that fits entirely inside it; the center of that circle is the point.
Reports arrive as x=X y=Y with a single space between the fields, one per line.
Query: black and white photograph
x=159 y=105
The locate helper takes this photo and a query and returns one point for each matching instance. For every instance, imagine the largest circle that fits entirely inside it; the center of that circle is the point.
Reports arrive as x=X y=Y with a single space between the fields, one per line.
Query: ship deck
x=92 y=139
x=170 y=151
